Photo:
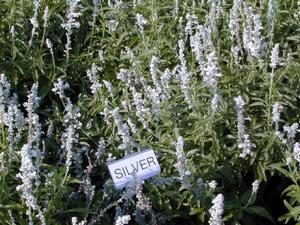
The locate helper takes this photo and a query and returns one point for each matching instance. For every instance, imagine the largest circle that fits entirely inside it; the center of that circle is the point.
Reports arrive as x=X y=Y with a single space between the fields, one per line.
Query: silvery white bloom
x=4 y=90
x=101 y=56
x=88 y=188
x=2 y=162
x=215 y=102
x=28 y=175
x=96 y=9
x=154 y=96
x=181 y=164
x=153 y=71
x=100 y=149
x=211 y=71
x=234 y=21
x=12 y=219
x=192 y=22
x=277 y=109
x=15 y=121
x=116 y=4
x=289 y=58
x=271 y=14
x=72 y=14
x=112 y=25
x=74 y=221
x=257 y=44
x=33 y=101
x=291 y=131
x=252 y=37
x=49 y=44
x=59 y=87
x=216 y=211
x=137 y=2
x=235 y=53
x=184 y=74
x=239 y=105
x=123 y=130
x=143 y=203
x=123 y=75
x=296 y=152
x=108 y=86
x=132 y=126
x=176 y=8
x=140 y=21
x=70 y=136
x=275 y=60
x=141 y=110
x=246 y=146
x=93 y=78
x=46 y=17
x=214 y=14
x=12 y=31
x=289 y=161
x=201 y=43
x=122 y=220
x=212 y=185
x=165 y=82
x=34 y=20
x=255 y=186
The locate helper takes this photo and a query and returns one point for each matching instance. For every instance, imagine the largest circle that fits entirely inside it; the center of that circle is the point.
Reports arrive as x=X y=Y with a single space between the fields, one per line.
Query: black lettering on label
x=136 y=169
x=127 y=170
x=124 y=172
x=119 y=175
x=142 y=164
x=150 y=160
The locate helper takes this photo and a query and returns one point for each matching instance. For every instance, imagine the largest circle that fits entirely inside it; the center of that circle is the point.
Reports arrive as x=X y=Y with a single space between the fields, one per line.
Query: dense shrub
x=211 y=86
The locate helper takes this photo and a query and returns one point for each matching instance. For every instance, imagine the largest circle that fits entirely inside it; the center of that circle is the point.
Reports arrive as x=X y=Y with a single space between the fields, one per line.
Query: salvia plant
x=211 y=86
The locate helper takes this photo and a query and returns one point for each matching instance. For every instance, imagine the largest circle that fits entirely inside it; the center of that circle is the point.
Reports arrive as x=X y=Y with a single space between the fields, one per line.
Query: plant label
x=141 y=165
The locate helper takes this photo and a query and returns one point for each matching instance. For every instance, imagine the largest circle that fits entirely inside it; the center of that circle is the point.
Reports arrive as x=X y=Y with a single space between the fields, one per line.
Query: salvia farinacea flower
x=216 y=211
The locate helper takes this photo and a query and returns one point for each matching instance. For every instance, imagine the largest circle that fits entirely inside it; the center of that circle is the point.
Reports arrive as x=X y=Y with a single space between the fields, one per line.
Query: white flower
x=211 y=71
x=216 y=210
x=72 y=15
x=59 y=88
x=34 y=20
x=291 y=131
x=49 y=44
x=289 y=161
x=239 y=105
x=192 y=22
x=181 y=164
x=215 y=102
x=252 y=37
x=246 y=146
x=112 y=25
x=234 y=22
x=255 y=186
x=70 y=136
x=277 y=109
x=275 y=60
x=93 y=78
x=296 y=151
x=46 y=16
x=271 y=14
x=153 y=71
x=184 y=74
x=140 y=21
x=122 y=220
x=108 y=86
x=143 y=203
x=212 y=184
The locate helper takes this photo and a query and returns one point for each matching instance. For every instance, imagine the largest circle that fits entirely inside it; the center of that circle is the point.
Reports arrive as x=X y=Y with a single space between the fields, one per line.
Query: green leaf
x=260 y=211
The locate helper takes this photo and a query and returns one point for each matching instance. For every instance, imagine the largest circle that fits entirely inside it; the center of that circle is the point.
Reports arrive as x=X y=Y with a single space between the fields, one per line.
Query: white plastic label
x=142 y=165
